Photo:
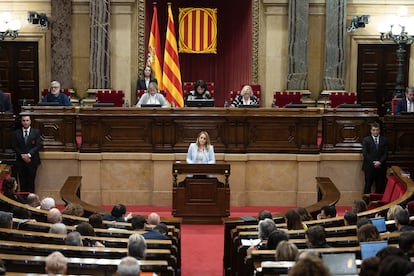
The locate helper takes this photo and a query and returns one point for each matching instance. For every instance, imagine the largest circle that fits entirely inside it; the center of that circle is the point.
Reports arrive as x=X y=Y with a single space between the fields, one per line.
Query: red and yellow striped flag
x=154 y=48
x=171 y=78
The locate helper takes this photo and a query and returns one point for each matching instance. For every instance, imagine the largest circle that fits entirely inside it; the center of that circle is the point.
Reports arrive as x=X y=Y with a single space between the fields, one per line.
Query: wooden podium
x=201 y=197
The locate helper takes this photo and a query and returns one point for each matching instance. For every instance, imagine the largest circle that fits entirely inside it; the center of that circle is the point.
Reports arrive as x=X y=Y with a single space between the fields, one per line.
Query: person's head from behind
x=33 y=200
x=85 y=229
x=409 y=93
x=47 y=203
x=55 y=88
x=56 y=264
x=6 y=220
x=118 y=211
x=309 y=266
x=9 y=185
x=350 y=218
x=147 y=72
x=367 y=233
x=286 y=251
x=275 y=237
x=96 y=221
x=392 y=211
x=152 y=88
x=304 y=214
x=362 y=221
x=264 y=214
x=369 y=266
x=203 y=139
x=293 y=220
x=390 y=251
x=25 y=121
x=74 y=238
x=393 y=265
x=54 y=215
x=315 y=236
x=375 y=129
x=21 y=212
x=162 y=228
x=246 y=92
x=327 y=211
x=73 y=209
x=200 y=87
x=358 y=206
x=266 y=227
x=58 y=228
x=402 y=218
x=129 y=266
x=153 y=219
x=137 y=246
x=406 y=241
x=138 y=222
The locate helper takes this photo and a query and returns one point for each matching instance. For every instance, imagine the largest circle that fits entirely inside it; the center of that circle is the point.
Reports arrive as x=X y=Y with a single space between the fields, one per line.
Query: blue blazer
x=401 y=106
x=208 y=156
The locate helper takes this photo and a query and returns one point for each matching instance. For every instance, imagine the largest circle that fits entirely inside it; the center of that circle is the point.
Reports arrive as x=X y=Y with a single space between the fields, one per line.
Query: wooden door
x=19 y=72
x=377 y=74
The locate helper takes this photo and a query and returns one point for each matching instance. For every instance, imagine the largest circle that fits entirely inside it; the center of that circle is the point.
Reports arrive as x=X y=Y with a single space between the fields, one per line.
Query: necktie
x=26 y=135
x=376 y=142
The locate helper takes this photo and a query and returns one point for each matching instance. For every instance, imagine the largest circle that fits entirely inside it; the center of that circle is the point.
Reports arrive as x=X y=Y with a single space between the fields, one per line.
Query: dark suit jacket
x=5 y=104
x=371 y=154
x=154 y=235
x=32 y=146
x=141 y=84
x=401 y=106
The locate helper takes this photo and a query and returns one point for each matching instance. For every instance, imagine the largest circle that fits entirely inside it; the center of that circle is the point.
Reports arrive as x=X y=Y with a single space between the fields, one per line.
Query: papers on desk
x=250 y=242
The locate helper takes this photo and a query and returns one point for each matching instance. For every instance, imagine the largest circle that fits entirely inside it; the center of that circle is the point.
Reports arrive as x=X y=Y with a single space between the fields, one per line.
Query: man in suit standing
x=406 y=104
x=375 y=152
x=26 y=144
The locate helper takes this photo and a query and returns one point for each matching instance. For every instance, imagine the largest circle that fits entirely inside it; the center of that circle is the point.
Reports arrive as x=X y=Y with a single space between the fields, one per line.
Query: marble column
x=61 y=42
x=335 y=39
x=298 y=45
x=100 y=66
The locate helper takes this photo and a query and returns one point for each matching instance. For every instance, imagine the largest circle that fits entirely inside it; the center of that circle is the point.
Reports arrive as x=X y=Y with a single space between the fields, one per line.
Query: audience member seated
x=309 y=265
x=264 y=214
x=304 y=214
x=58 y=228
x=96 y=221
x=367 y=233
x=359 y=206
x=152 y=96
x=286 y=251
x=293 y=220
x=6 y=220
x=153 y=219
x=200 y=91
x=392 y=211
x=402 y=220
x=406 y=242
x=390 y=251
x=316 y=237
x=138 y=222
x=74 y=238
x=73 y=209
x=265 y=227
x=47 y=203
x=118 y=214
x=54 y=216
x=55 y=96
x=137 y=247
x=128 y=266
x=362 y=221
x=327 y=212
x=393 y=265
x=10 y=188
x=33 y=200
x=369 y=266
x=159 y=232
x=245 y=97
x=21 y=212
x=56 y=264
x=142 y=84
x=85 y=229
x=350 y=218
x=275 y=238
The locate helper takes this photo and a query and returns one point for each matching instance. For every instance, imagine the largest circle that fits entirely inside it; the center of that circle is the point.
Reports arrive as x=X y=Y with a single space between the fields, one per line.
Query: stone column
x=61 y=40
x=335 y=39
x=298 y=45
x=100 y=66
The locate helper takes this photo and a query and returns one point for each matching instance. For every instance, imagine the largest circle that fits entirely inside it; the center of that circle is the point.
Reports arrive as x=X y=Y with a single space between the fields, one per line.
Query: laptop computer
x=200 y=103
x=370 y=249
x=292 y=105
x=341 y=263
x=151 y=105
x=379 y=224
x=103 y=105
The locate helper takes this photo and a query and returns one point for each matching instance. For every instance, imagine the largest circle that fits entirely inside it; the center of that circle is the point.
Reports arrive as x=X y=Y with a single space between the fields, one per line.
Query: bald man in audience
x=54 y=216
x=128 y=266
x=47 y=203
x=58 y=228
x=6 y=220
x=33 y=200
x=153 y=219
x=56 y=264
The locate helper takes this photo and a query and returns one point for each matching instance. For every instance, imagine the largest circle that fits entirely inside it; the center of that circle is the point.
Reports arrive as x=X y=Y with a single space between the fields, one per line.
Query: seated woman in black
x=200 y=91
x=10 y=188
x=147 y=78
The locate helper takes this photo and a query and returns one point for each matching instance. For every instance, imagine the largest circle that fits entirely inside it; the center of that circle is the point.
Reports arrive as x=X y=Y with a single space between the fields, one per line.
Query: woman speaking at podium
x=201 y=152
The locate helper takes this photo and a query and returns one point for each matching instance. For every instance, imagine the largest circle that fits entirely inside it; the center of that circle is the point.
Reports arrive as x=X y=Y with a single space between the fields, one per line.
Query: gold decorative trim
x=255 y=41
x=141 y=34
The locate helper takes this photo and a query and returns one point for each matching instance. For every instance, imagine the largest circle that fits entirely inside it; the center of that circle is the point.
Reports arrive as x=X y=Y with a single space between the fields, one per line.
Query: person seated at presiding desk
x=245 y=97
x=55 y=96
x=148 y=78
x=201 y=152
x=200 y=91
x=406 y=104
x=152 y=96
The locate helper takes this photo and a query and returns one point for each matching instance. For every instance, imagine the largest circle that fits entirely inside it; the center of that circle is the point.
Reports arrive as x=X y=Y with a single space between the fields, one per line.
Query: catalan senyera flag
x=154 y=48
x=171 y=78
x=197 y=30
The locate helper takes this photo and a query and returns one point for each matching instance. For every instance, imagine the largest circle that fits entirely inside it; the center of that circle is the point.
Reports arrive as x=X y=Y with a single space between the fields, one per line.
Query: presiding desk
x=201 y=197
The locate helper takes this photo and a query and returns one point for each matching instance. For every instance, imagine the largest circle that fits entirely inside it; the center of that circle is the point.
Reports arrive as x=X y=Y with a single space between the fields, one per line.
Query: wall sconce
x=8 y=26
x=38 y=18
x=358 y=22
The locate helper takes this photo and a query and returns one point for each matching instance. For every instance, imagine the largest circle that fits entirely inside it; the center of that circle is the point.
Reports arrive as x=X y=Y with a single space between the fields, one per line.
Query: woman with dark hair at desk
x=201 y=152
x=200 y=91
x=245 y=97
x=146 y=80
x=152 y=96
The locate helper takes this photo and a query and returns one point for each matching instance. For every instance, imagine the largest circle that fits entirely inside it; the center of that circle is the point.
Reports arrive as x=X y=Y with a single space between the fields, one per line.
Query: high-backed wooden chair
x=338 y=98
x=110 y=96
x=281 y=99
x=64 y=91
